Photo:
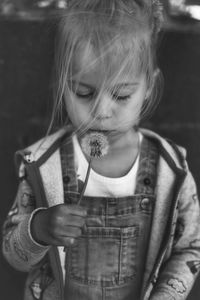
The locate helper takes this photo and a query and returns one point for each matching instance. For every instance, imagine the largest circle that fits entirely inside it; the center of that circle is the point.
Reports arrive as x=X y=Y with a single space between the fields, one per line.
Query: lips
x=103 y=131
x=98 y=130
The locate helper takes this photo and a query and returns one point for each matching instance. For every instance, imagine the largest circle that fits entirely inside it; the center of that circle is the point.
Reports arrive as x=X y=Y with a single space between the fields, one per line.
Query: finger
x=75 y=210
x=70 y=231
x=64 y=241
x=68 y=242
x=76 y=221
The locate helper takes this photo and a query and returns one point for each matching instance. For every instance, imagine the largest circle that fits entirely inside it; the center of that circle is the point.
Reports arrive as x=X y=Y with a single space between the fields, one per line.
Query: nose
x=104 y=107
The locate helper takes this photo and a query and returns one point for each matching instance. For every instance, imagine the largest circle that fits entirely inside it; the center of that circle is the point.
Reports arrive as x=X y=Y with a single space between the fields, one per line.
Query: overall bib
x=107 y=261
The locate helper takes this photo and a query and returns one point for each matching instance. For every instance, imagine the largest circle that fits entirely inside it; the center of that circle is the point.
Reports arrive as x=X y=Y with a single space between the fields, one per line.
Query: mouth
x=99 y=130
x=104 y=131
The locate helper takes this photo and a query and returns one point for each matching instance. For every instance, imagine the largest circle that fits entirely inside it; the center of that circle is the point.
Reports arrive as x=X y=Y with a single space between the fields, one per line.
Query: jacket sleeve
x=178 y=274
x=19 y=248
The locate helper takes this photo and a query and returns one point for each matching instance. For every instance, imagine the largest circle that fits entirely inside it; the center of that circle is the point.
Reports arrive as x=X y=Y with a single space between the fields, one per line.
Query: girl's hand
x=58 y=225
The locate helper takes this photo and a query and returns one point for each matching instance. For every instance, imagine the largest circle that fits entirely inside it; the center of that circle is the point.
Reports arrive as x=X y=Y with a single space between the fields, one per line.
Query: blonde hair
x=126 y=30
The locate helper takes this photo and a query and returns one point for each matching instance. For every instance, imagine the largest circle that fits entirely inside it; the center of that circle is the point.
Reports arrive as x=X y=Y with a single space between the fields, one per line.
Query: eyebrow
x=126 y=84
x=120 y=85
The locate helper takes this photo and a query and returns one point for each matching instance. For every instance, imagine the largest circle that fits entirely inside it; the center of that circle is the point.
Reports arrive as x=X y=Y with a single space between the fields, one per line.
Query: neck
x=123 y=150
x=120 y=140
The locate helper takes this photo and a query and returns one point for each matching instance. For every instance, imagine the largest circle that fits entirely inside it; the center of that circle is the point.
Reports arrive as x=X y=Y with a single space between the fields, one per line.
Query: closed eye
x=121 y=98
x=83 y=95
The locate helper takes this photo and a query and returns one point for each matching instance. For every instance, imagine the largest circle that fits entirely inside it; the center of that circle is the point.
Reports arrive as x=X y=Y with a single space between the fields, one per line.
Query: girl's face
x=119 y=105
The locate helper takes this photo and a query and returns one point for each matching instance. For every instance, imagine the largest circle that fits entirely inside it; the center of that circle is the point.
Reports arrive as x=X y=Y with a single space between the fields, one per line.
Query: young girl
x=120 y=221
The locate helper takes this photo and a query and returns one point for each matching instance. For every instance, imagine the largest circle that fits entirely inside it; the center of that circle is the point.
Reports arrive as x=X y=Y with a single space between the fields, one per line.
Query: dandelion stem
x=86 y=181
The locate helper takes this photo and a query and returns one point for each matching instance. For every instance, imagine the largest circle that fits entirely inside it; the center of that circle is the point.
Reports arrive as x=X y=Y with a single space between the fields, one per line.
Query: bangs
x=126 y=55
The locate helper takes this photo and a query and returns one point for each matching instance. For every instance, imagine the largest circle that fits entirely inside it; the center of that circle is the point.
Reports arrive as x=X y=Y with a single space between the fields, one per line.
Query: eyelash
x=121 y=98
x=85 y=96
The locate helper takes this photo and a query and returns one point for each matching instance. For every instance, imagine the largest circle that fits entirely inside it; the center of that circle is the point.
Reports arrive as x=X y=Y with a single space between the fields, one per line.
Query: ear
x=154 y=79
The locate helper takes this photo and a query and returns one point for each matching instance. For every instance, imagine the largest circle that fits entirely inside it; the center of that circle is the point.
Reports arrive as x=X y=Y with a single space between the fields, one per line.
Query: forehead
x=97 y=68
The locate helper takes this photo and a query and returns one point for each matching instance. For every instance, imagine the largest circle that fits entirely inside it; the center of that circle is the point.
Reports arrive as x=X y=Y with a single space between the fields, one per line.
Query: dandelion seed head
x=95 y=144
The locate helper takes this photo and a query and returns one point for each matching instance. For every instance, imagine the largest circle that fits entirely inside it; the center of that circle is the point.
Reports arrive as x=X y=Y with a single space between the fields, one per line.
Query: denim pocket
x=104 y=256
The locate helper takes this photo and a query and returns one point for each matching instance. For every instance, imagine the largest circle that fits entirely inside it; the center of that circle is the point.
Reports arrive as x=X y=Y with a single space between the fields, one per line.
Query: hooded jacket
x=173 y=256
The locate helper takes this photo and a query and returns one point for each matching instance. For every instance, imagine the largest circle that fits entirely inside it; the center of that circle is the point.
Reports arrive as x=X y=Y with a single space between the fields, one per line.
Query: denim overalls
x=107 y=262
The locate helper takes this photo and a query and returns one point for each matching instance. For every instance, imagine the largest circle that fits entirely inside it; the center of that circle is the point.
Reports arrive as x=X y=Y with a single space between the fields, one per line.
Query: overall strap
x=147 y=171
x=70 y=182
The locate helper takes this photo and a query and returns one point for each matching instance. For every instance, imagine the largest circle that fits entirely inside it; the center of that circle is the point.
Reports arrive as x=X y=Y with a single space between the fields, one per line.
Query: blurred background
x=27 y=31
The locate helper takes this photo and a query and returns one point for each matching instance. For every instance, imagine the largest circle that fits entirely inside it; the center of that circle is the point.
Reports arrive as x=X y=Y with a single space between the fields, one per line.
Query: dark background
x=26 y=57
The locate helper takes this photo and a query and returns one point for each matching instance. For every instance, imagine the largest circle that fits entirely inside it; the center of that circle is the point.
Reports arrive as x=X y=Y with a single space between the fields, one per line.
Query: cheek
x=70 y=107
x=138 y=101
x=78 y=112
x=131 y=113
x=135 y=107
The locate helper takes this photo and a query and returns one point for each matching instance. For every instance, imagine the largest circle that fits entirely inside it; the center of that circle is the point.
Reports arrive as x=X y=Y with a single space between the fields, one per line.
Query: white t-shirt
x=102 y=186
